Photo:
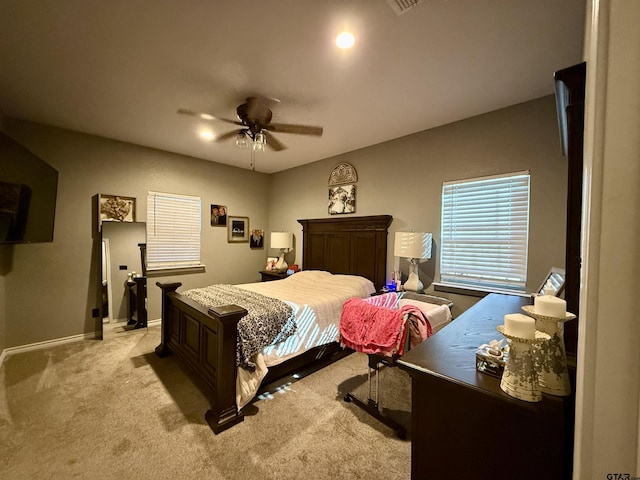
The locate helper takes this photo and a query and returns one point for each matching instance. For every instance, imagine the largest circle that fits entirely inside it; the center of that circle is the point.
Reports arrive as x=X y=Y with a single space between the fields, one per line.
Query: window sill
x=473 y=291
x=161 y=272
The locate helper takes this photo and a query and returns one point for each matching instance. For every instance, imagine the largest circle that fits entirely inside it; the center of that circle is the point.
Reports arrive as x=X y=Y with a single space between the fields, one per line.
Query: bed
x=205 y=339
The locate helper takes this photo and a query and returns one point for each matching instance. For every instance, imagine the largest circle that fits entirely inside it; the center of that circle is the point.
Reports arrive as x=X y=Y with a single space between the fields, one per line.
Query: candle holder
x=553 y=375
x=520 y=378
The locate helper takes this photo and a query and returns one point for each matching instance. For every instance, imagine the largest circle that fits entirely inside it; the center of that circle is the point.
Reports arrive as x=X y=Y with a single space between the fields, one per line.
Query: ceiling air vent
x=401 y=6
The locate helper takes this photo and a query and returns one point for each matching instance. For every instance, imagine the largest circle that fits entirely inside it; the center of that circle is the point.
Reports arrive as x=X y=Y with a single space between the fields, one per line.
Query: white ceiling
x=121 y=68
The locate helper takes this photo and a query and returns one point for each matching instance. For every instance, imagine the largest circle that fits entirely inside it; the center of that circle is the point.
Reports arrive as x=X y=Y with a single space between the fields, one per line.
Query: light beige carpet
x=112 y=410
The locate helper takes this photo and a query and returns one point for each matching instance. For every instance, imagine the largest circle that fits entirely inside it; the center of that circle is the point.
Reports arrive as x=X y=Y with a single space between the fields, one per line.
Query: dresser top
x=451 y=353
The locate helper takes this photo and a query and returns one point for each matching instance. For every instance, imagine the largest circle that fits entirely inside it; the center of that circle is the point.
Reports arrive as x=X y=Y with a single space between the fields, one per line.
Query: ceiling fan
x=254 y=117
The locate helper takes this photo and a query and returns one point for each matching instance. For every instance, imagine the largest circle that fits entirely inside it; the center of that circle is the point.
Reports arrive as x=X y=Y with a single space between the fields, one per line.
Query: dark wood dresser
x=464 y=425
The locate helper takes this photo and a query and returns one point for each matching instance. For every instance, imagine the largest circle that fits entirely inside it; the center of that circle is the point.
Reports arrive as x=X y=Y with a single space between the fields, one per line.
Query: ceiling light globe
x=345 y=40
x=241 y=141
x=206 y=135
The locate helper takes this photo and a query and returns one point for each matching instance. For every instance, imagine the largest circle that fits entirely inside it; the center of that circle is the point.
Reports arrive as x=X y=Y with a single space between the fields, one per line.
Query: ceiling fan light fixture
x=259 y=141
x=255 y=126
x=241 y=140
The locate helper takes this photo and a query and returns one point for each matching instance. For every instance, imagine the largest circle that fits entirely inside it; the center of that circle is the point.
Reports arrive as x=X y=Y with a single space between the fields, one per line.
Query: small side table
x=269 y=275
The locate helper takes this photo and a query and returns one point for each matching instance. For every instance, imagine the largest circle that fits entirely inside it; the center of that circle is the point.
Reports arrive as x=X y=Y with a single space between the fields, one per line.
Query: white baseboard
x=7 y=352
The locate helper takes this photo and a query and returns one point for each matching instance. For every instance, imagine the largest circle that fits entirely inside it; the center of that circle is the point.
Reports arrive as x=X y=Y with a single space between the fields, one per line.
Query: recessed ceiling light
x=206 y=135
x=345 y=40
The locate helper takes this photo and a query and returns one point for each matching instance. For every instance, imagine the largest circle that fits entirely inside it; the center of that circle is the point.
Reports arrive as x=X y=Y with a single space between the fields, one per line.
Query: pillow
x=309 y=276
x=438 y=315
x=359 y=286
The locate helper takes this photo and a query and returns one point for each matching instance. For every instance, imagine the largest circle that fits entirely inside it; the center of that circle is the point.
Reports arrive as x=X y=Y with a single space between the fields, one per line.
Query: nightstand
x=268 y=275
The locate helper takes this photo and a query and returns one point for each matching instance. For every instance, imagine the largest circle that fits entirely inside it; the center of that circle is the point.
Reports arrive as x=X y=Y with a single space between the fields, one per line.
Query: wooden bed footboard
x=205 y=340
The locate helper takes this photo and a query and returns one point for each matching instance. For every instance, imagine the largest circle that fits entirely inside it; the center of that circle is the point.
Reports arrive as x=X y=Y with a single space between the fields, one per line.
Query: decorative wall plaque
x=343 y=174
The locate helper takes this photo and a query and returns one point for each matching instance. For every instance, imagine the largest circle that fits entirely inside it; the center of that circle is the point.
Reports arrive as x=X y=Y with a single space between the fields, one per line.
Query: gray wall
x=404 y=178
x=48 y=290
x=51 y=288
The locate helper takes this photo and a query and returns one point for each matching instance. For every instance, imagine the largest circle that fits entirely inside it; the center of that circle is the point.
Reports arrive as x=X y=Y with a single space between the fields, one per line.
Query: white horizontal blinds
x=485 y=232
x=173 y=230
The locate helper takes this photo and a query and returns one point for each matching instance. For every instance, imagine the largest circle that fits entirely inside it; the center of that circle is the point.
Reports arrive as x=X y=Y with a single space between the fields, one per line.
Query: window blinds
x=485 y=232
x=173 y=230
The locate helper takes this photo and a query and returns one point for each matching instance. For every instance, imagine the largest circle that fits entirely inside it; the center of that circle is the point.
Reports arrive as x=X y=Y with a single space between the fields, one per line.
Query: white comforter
x=316 y=298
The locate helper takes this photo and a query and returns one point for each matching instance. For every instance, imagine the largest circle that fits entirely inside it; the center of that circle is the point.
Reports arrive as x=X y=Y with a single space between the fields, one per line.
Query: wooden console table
x=464 y=425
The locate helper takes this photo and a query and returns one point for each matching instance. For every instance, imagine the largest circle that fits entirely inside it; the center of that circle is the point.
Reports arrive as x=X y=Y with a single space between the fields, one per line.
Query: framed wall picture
x=237 y=229
x=116 y=208
x=342 y=199
x=218 y=216
x=257 y=239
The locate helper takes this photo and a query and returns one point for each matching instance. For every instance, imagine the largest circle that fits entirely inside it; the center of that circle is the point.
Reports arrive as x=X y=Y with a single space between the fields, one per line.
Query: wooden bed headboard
x=352 y=245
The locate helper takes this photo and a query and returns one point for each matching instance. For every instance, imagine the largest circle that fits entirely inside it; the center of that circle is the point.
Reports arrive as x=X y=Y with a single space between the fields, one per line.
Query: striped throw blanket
x=268 y=321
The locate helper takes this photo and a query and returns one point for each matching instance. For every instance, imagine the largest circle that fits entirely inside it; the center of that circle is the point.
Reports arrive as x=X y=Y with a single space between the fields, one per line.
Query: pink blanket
x=371 y=329
x=377 y=326
x=419 y=325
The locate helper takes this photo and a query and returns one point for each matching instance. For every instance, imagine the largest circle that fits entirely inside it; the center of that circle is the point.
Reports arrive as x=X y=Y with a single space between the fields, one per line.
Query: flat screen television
x=28 y=190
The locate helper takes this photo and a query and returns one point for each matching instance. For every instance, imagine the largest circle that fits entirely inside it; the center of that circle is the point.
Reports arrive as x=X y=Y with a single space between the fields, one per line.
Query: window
x=173 y=231
x=485 y=232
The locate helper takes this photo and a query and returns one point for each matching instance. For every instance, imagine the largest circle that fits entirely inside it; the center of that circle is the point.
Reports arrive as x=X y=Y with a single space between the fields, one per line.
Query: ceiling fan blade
x=273 y=142
x=231 y=134
x=299 y=129
x=206 y=116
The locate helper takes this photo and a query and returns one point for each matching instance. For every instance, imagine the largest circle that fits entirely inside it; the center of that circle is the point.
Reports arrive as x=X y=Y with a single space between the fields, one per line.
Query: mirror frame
x=559 y=276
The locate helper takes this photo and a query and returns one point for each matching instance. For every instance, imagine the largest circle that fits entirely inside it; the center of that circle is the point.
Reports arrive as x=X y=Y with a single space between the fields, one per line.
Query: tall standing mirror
x=123 y=280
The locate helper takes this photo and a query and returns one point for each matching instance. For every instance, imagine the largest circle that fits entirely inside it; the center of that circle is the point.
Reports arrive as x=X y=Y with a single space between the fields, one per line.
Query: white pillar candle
x=550 y=306
x=519 y=325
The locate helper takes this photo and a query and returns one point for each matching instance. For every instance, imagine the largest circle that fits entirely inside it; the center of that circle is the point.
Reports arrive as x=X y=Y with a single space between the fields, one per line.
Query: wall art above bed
x=342 y=189
x=343 y=174
x=342 y=199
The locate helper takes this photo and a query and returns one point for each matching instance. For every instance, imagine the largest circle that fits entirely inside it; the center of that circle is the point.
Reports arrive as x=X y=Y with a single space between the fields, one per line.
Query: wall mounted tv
x=28 y=189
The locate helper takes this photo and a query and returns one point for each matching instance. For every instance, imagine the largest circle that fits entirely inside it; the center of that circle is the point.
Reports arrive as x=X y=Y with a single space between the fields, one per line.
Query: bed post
x=206 y=341
x=224 y=413
x=162 y=350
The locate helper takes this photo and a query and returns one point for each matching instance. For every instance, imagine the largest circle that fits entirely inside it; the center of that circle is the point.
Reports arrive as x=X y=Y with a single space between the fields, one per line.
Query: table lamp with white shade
x=417 y=248
x=283 y=241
